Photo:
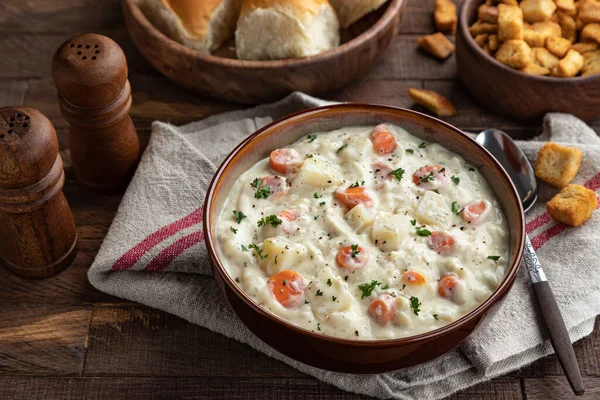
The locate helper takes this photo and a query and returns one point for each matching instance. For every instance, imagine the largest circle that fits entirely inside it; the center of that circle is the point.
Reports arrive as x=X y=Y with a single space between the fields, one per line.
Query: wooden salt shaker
x=90 y=74
x=37 y=231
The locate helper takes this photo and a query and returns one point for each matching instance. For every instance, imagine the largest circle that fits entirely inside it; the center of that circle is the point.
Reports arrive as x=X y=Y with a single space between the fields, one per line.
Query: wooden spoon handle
x=559 y=336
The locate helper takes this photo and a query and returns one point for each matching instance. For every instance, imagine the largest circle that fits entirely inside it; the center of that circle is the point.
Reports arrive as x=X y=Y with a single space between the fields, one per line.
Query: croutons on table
x=573 y=206
x=437 y=103
x=437 y=45
x=557 y=164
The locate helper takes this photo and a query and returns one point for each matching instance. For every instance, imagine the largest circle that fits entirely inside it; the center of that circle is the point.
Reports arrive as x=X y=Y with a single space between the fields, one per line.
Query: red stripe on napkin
x=165 y=257
x=128 y=260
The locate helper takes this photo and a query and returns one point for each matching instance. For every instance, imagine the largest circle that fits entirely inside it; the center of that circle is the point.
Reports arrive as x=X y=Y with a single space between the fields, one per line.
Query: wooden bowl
x=245 y=81
x=347 y=355
x=516 y=94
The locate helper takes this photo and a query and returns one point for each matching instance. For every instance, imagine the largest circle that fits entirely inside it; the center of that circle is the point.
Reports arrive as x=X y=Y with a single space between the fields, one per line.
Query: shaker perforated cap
x=89 y=70
x=28 y=147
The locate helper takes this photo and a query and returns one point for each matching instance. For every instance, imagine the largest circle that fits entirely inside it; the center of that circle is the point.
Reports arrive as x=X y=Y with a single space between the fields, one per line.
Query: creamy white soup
x=364 y=232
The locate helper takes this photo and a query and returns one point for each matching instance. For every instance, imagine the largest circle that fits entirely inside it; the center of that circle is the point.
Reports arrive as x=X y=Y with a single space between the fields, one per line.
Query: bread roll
x=350 y=11
x=279 y=29
x=203 y=25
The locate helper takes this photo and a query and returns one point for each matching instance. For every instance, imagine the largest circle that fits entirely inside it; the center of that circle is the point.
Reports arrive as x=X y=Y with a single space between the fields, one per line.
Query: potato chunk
x=558 y=165
x=537 y=10
x=319 y=172
x=321 y=290
x=437 y=45
x=360 y=218
x=515 y=54
x=558 y=46
x=510 y=23
x=569 y=66
x=389 y=230
x=280 y=254
x=573 y=206
x=433 y=210
x=445 y=16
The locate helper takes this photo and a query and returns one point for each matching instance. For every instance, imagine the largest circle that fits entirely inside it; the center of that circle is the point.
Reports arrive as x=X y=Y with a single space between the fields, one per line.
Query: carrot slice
x=447 y=285
x=382 y=309
x=413 y=277
x=352 y=257
x=354 y=196
x=287 y=287
x=279 y=185
x=476 y=211
x=431 y=177
x=383 y=140
x=287 y=215
x=285 y=161
x=441 y=242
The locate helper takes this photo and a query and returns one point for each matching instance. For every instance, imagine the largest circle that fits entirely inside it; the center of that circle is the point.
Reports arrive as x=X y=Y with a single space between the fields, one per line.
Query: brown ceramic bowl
x=516 y=94
x=242 y=81
x=347 y=355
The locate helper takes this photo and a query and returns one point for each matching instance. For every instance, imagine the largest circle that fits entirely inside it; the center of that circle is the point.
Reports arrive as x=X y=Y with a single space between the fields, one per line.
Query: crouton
x=510 y=23
x=544 y=58
x=437 y=103
x=569 y=66
x=487 y=13
x=565 y=5
x=493 y=43
x=568 y=27
x=591 y=32
x=481 y=39
x=536 y=34
x=579 y=24
x=537 y=10
x=573 y=206
x=515 y=53
x=508 y=2
x=558 y=46
x=444 y=15
x=437 y=45
x=584 y=47
x=557 y=164
x=591 y=63
x=589 y=11
x=535 y=69
x=482 y=27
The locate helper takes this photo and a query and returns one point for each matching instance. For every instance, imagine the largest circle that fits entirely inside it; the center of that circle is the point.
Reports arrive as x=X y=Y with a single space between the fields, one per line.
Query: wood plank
x=147 y=388
x=141 y=341
x=12 y=92
x=559 y=389
x=42 y=339
x=498 y=389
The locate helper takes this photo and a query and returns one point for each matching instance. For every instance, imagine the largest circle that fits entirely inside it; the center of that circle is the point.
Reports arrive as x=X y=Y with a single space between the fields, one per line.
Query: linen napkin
x=154 y=254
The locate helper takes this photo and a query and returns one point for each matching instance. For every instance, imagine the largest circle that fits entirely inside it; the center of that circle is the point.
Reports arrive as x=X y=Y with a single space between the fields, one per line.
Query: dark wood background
x=62 y=339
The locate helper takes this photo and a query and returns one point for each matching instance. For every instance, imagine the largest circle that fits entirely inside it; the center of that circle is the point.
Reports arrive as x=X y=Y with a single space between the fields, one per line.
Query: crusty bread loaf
x=350 y=11
x=203 y=25
x=279 y=29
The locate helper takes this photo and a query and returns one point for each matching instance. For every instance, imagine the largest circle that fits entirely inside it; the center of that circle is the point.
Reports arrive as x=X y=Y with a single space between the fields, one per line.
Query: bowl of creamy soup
x=362 y=238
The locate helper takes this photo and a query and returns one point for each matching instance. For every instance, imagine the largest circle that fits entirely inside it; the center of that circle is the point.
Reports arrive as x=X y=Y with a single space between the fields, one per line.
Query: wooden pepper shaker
x=37 y=231
x=90 y=74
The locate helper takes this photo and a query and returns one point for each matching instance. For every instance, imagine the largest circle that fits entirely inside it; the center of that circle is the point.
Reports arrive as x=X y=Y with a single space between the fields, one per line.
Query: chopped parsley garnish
x=317 y=195
x=367 y=288
x=239 y=216
x=397 y=173
x=317 y=217
x=284 y=281
x=495 y=258
x=415 y=304
x=244 y=248
x=333 y=298
x=319 y=292
x=269 y=220
x=421 y=231
x=311 y=137
x=471 y=169
x=422 y=145
x=355 y=250
x=455 y=208
x=455 y=179
x=328 y=281
x=435 y=316
x=276 y=261
x=428 y=178
x=410 y=151
x=305 y=301
x=261 y=192
x=309 y=156
x=437 y=191
x=385 y=287
x=338 y=151
x=356 y=184
x=319 y=326
x=413 y=222
x=403 y=285
x=322 y=203
x=233 y=229
x=256 y=183
x=258 y=251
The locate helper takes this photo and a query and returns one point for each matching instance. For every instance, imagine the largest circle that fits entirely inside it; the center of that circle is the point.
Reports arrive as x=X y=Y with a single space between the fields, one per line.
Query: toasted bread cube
x=487 y=13
x=589 y=11
x=544 y=58
x=565 y=5
x=437 y=45
x=557 y=164
x=568 y=27
x=510 y=23
x=591 y=63
x=584 y=47
x=508 y=2
x=558 y=46
x=537 y=10
x=515 y=54
x=493 y=43
x=573 y=206
x=536 y=34
x=579 y=24
x=481 y=39
x=437 y=103
x=569 y=66
x=444 y=15
x=535 y=69
x=591 y=32
x=480 y=27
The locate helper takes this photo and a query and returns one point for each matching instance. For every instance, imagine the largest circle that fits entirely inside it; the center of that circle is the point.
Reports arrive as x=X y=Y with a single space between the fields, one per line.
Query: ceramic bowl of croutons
x=526 y=58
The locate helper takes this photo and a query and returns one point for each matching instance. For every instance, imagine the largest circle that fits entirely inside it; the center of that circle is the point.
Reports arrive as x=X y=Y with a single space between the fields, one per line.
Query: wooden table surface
x=62 y=339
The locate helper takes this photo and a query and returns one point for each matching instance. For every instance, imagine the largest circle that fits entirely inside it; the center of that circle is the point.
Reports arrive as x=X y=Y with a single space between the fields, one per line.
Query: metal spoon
x=505 y=150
